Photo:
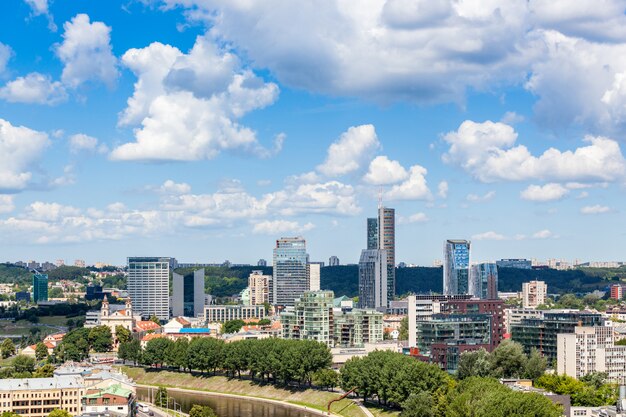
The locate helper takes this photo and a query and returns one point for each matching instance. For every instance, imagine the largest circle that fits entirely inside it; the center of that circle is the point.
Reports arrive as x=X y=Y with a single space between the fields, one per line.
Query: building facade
x=37 y=397
x=372 y=233
x=224 y=313
x=357 y=328
x=314 y=273
x=290 y=278
x=40 y=287
x=456 y=266
x=617 y=292
x=541 y=333
x=534 y=293
x=148 y=285
x=188 y=294
x=387 y=242
x=373 y=280
x=484 y=281
x=515 y=263
x=259 y=287
x=591 y=349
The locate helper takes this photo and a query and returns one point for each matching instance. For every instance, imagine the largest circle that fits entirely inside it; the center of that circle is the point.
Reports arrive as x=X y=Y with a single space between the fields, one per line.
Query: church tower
x=105 y=311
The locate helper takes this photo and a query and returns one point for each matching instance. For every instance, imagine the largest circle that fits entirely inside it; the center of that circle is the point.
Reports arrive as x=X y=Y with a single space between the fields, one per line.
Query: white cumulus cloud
x=34 y=88
x=547 y=192
x=383 y=171
x=595 y=209
x=413 y=188
x=81 y=142
x=20 y=148
x=350 y=152
x=276 y=227
x=86 y=53
x=442 y=189
x=490 y=235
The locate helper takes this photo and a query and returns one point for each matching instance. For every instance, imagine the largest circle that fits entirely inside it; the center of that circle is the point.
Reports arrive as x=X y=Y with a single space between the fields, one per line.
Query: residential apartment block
x=534 y=293
x=224 y=313
x=37 y=397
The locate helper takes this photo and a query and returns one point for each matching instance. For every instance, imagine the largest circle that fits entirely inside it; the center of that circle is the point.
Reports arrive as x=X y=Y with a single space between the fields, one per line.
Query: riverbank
x=219 y=384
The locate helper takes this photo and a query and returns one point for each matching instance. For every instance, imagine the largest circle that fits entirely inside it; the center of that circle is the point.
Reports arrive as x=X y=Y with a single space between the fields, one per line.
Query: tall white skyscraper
x=456 y=267
x=290 y=279
x=373 y=279
x=387 y=242
x=314 y=276
x=148 y=285
x=188 y=294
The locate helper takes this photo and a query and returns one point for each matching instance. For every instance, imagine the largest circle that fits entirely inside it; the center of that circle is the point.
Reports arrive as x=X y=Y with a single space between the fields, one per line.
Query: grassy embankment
x=23 y=327
x=308 y=397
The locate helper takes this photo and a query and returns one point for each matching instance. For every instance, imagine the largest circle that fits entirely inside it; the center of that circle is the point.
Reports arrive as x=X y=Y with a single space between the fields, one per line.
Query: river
x=229 y=406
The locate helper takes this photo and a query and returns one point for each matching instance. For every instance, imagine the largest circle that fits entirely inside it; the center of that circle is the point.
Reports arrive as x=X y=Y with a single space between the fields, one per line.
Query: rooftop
x=57 y=382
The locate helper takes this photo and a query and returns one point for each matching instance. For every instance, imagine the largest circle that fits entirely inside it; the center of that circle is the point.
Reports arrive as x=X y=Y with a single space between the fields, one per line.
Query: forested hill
x=344 y=279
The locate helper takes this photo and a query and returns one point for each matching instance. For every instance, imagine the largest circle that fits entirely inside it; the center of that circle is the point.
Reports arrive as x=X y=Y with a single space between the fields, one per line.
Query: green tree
x=41 y=351
x=100 y=339
x=23 y=364
x=9 y=414
x=59 y=413
x=418 y=405
x=45 y=371
x=508 y=360
x=7 y=348
x=155 y=353
x=55 y=292
x=160 y=399
x=621 y=342
x=130 y=351
x=535 y=366
x=326 y=378
x=122 y=334
x=177 y=355
x=476 y=363
x=155 y=319
x=232 y=326
x=201 y=411
x=404 y=329
x=205 y=353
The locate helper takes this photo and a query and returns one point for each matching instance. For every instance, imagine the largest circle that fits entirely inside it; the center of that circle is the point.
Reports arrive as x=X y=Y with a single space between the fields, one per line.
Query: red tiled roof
x=151 y=336
x=182 y=321
x=146 y=325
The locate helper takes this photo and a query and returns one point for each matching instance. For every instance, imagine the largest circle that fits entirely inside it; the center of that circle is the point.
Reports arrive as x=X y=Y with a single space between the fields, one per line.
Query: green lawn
x=308 y=397
x=382 y=412
x=23 y=327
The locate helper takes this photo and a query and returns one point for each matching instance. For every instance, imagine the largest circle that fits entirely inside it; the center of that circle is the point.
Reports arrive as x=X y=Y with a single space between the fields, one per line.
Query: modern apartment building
x=514 y=316
x=259 y=287
x=484 y=281
x=148 y=285
x=314 y=318
x=224 y=313
x=373 y=280
x=541 y=333
x=591 y=349
x=534 y=293
x=617 y=291
x=40 y=287
x=290 y=276
x=37 y=397
x=456 y=267
x=188 y=294
x=314 y=274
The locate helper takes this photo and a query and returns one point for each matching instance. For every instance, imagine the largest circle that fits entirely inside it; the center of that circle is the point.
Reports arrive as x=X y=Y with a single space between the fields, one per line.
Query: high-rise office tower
x=372 y=233
x=40 y=287
x=314 y=273
x=387 y=242
x=456 y=265
x=290 y=279
x=188 y=294
x=259 y=287
x=262 y=262
x=373 y=279
x=484 y=281
x=333 y=261
x=148 y=285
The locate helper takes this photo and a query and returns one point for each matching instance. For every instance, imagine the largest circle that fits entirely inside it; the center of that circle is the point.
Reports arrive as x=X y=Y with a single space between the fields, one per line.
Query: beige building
x=591 y=349
x=223 y=313
x=534 y=293
x=259 y=286
x=37 y=397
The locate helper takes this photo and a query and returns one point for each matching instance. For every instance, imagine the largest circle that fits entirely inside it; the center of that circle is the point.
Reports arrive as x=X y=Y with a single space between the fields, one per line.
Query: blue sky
x=206 y=129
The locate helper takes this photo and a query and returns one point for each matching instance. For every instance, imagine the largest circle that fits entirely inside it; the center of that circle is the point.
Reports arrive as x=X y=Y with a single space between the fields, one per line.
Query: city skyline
x=194 y=139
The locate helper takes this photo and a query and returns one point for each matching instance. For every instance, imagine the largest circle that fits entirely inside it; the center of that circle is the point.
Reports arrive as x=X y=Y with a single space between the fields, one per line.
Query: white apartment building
x=591 y=349
x=37 y=397
x=259 y=286
x=534 y=293
x=223 y=313
x=313 y=270
x=514 y=316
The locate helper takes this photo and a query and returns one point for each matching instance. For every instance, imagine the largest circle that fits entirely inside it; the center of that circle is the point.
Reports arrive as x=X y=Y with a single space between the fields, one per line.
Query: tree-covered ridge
x=223 y=281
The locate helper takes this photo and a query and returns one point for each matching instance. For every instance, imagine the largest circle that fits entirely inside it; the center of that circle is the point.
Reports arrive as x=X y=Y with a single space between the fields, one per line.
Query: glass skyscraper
x=40 y=287
x=372 y=233
x=373 y=279
x=484 y=281
x=148 y=285
x=456 y=271
x=188 y=294
x=290 y=279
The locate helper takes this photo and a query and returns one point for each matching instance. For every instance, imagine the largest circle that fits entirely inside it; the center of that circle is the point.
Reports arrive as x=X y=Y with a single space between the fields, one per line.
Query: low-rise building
x=224 y=313
x=37 y=397
x=114 y=399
